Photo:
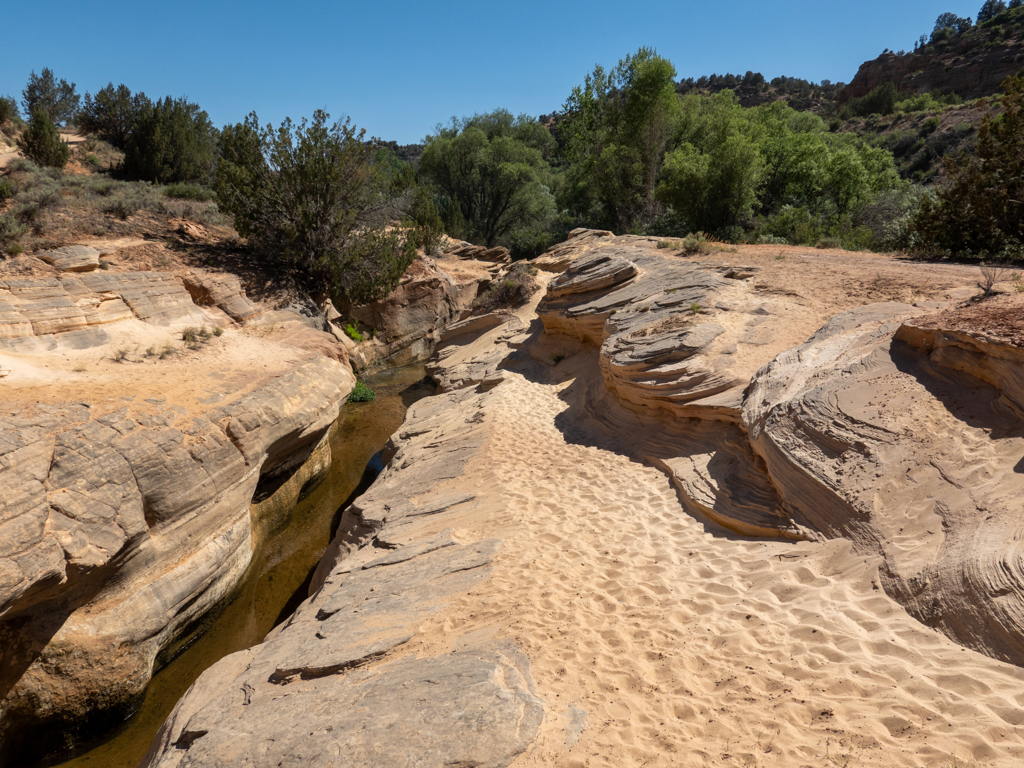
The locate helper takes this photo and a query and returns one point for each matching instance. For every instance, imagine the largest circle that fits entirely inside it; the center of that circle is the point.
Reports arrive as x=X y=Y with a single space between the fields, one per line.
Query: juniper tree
x=41 y=143
x=311 y=197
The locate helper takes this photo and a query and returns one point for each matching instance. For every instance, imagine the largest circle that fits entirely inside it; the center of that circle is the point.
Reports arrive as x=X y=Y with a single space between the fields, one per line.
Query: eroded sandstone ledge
x=700 y=482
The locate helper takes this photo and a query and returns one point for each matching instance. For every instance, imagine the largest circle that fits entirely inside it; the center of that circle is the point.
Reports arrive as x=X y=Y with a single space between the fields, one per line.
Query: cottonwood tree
x=492 y=168
x=58 y=99
x=614 y=134
x=311 y=197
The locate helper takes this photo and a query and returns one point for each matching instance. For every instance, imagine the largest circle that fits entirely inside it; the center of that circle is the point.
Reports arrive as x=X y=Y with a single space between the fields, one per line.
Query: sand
x=659 y=640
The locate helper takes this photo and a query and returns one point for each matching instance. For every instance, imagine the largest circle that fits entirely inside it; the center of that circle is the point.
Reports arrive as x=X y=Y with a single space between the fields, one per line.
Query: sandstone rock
x=47 y=307
x=901 y=437
x=393 y=564
x=117 y=533
x=463 y=250
x=223 y=291
x=72 y=258
x=558 y=257
x=409 y=321
x=466 y=708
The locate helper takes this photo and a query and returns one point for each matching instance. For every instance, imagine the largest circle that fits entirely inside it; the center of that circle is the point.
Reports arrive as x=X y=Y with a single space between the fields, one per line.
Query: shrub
x=121 y=207
x=171 y=141
x=353 y=333
x=6 y=191
x=512 y=290
x=195 y=337
x=184 y=191
x=880 y=101
x=8 y=110
x=697 y=242
x=42 y=144
x=990 y=275
x=828 y=242
x=771 y=240
x=361 y=394
x=311 y=197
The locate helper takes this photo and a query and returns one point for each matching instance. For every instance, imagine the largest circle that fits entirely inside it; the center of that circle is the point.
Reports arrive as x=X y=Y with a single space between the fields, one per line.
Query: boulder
x=404 y=327
x=72 y=258
x=223 y=291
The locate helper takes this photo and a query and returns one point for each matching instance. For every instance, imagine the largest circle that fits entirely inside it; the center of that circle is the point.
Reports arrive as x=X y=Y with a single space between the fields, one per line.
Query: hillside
x=971 y=64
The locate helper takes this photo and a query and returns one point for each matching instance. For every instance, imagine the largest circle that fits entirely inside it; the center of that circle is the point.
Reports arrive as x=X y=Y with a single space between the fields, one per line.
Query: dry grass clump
x=512 y=290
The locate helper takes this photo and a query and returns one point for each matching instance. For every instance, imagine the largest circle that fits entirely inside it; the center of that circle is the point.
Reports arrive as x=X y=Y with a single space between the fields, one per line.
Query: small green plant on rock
x=353 y=333
x=696 y=308
x=361 y=394
x=557 y=357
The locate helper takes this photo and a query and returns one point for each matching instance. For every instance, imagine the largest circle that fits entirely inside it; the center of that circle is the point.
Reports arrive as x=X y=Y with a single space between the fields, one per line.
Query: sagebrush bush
x=697 y=242
x=183 y=191
x=512 y=290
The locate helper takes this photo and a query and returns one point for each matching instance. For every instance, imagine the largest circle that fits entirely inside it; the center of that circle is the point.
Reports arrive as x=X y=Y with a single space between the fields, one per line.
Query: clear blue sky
x=399 y=68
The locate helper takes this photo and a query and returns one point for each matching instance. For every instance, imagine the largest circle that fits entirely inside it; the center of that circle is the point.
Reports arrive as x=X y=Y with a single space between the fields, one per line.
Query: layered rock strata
x=900 y=435
x=654 y=636
x=404 y=327
x=355 y=693
x=125 y=529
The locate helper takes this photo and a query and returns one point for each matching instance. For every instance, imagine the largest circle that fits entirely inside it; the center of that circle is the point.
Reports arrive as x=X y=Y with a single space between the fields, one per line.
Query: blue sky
x=399 y=68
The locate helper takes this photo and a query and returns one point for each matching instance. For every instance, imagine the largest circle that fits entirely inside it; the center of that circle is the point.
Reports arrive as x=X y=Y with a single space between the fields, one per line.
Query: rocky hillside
x=971 y=64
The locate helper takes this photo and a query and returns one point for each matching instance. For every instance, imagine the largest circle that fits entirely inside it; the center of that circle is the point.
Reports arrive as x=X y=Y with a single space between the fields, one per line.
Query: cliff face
x=124 y=520
x=971 y=65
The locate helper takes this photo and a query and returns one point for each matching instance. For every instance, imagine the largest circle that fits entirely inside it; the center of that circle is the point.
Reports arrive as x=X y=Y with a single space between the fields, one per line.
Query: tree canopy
x=492 y=170
x=58 y=99
x=171 y=141
x=614 y=133
x=112 y=113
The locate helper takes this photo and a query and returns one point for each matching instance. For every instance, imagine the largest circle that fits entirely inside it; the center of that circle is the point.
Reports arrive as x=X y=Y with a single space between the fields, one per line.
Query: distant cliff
x=971 y=65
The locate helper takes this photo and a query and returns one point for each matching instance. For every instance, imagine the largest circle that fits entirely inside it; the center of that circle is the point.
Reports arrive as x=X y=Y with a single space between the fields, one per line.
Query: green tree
x=171 y=141
x=312 y=197
x=112 y=113
x=8 y=110
x=58 y=99
x=990 y=10
x=41 y=143
x=614 y=134
x=493 y=170
x=980 y=208
x=714 y=175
